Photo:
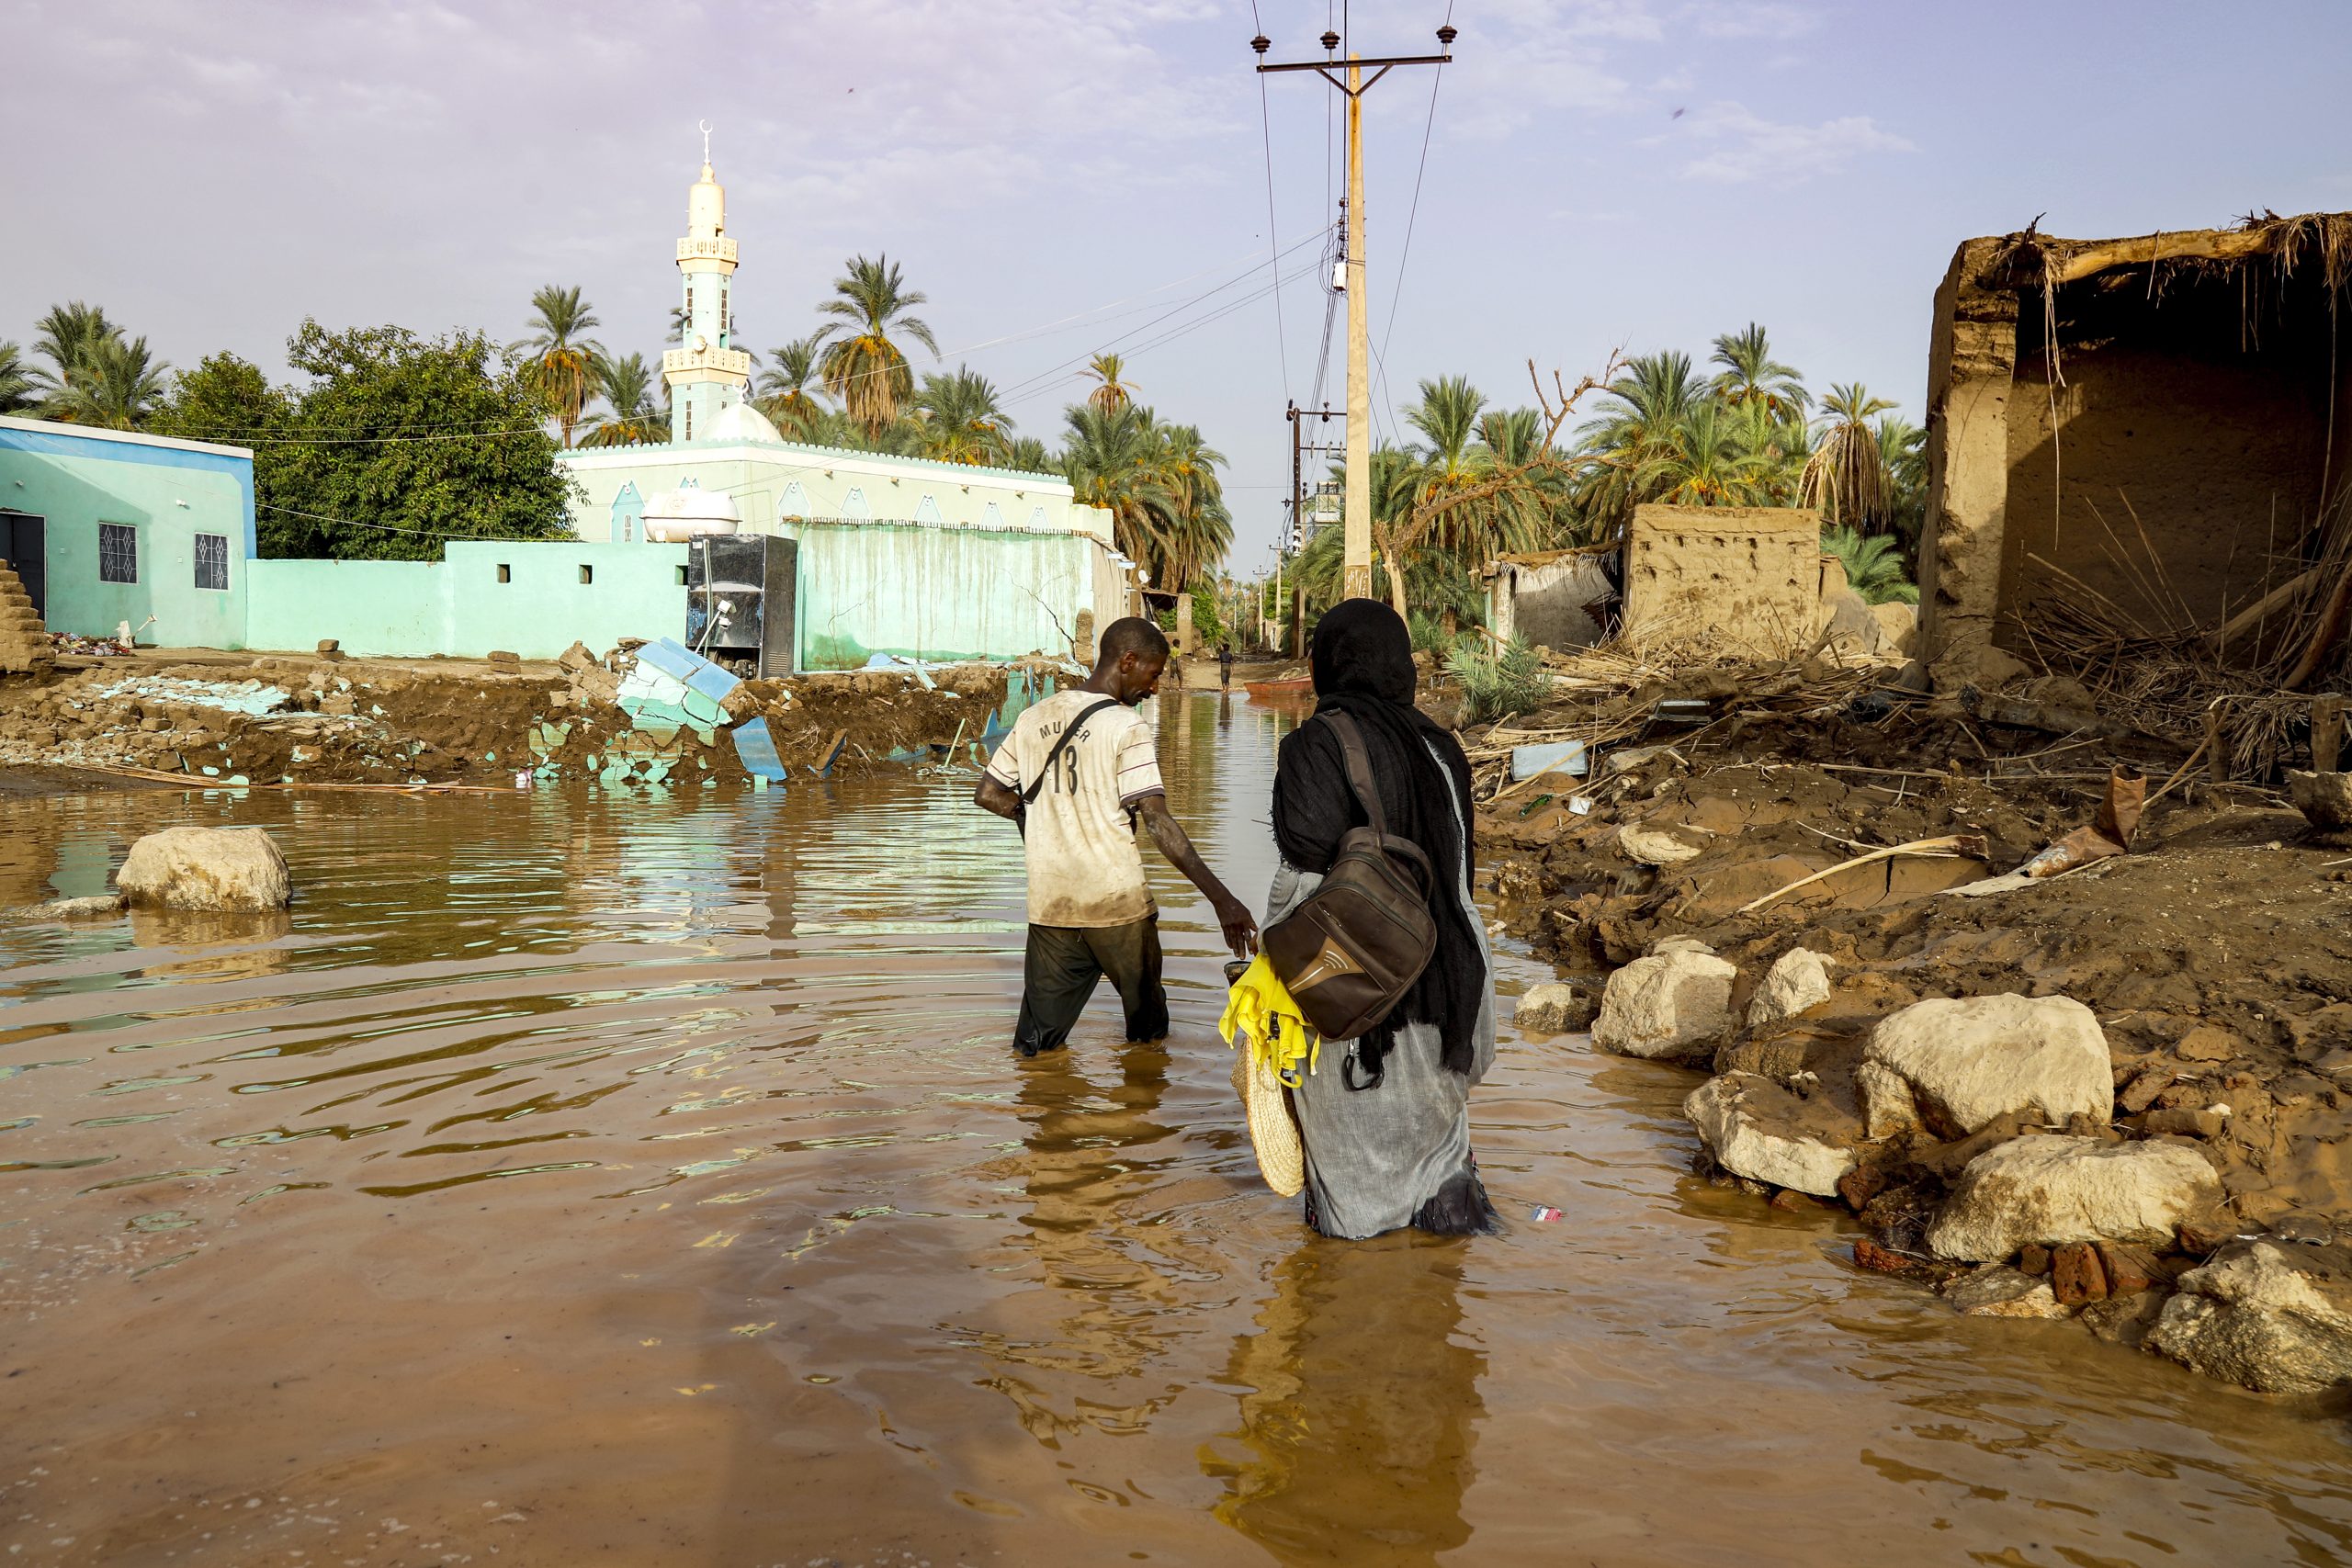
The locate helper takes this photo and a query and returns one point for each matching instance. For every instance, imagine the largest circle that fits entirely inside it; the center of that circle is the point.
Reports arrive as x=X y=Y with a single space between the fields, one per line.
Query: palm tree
x=115 y=384
x=1703 y=462
x=1109 y=394
x=962 y=420
x=862 y=368
x=1873 y=564
x=782 y=393
x=1903 y=449
x=1030 y=455
x=627 y=386
x=1108 y=458
x=1203 y=526
x=1639 y=412
x=559 y=356
x=1846 y=476
x=15 y=379
x=66 y=337
x=1750 y=374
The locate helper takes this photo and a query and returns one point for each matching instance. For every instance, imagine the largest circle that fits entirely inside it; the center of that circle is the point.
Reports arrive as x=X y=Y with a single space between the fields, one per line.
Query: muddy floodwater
x=648 y=1179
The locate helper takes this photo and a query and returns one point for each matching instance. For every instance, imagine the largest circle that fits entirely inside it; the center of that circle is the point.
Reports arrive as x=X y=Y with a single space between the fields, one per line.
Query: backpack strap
x=1045 y=768
x=1367 y=794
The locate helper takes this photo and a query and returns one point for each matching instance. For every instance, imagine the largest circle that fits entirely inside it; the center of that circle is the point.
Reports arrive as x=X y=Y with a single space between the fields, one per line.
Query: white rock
x=1998 y=1291
x=1672 y=1004
x=1798 y=979
x=1555 y=1009
x=2275 y=1316
x=206 y=868
x=2051 y=1191
x=1653 y=846
x=1956 y=1063
x=1679 y=944
x=1752 y=1126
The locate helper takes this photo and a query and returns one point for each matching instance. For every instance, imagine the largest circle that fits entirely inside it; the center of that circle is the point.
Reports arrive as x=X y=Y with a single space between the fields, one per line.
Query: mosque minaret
x=705 y=374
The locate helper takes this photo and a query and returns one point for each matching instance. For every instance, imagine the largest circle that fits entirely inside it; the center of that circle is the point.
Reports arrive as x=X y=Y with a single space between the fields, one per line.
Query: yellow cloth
x=1261 y=1007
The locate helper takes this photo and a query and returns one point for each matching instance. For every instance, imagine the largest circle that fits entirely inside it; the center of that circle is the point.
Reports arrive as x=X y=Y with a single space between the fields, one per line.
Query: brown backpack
x=1356 y=944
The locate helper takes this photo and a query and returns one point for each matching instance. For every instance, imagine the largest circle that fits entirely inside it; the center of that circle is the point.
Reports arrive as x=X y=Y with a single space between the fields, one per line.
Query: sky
x=1062 y=177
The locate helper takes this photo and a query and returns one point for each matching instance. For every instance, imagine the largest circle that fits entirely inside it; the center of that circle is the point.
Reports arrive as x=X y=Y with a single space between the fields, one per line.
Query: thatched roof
x=2280 y=246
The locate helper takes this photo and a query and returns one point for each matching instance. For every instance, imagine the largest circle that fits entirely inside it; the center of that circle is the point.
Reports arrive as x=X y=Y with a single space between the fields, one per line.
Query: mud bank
x=2209 y=970
x=275 y=719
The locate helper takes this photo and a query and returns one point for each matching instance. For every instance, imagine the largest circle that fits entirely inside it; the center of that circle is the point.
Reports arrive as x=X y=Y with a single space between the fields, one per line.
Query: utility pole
x=1355 y=580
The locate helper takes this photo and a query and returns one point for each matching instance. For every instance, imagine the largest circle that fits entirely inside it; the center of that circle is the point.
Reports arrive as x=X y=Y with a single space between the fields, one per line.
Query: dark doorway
x=23 y=545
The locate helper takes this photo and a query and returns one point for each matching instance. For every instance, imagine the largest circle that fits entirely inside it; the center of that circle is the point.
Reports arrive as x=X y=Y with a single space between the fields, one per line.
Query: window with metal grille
x=118 y=553
x=212 y=561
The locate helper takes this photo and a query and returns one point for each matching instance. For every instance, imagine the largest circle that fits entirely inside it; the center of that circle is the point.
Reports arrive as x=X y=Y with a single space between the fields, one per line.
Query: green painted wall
x=167 y=491
x=925 y=592
x=457 y=606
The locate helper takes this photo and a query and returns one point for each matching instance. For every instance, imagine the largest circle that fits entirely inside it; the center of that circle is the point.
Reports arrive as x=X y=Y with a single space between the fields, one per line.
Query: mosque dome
x=673 y=515
x=740 y=421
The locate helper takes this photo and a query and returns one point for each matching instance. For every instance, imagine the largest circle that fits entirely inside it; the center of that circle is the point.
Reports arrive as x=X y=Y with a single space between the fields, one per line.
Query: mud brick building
x=2159 y=425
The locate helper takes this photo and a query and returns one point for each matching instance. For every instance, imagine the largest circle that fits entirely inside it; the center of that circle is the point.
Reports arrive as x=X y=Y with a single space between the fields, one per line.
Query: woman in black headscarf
x=1387 y=1130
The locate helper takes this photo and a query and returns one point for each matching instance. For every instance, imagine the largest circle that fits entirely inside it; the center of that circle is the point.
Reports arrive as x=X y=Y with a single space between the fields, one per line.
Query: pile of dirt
x=278 y=719
x=2214 y=953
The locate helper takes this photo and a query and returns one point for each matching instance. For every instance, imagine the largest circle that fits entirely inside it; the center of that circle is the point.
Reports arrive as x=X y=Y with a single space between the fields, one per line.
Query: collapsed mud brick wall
x=24 y=643
x=1737 y=579
x=2160 y=420
x=1553 y=599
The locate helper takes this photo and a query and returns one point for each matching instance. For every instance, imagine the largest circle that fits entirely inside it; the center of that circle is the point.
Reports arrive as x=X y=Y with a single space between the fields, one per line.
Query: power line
x=1045 y=383
x=394 y=528
x=1029 y=384
x=1273 y=242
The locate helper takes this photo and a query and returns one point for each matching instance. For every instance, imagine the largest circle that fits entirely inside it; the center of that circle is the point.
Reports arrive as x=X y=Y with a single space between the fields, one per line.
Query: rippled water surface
x=628 y=1179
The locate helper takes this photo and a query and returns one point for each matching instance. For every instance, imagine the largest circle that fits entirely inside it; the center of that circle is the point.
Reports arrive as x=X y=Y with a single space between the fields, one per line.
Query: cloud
x=1752 y=18
x=1745 y=148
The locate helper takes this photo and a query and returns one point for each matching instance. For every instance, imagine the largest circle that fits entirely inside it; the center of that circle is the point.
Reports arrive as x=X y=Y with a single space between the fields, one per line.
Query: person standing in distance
x=1076 y=772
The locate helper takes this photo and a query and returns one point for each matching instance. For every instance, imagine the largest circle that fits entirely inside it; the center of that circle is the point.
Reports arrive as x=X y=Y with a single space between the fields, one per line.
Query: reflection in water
x=1359 y=1408
x=654 y=1167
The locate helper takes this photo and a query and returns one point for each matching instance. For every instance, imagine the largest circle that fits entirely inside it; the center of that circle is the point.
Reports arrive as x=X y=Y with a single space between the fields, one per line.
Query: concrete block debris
x=1561 y=756
x=252 y=698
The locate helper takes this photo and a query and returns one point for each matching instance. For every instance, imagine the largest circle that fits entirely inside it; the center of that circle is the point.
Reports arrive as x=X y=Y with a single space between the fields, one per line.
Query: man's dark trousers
x=1059 y=973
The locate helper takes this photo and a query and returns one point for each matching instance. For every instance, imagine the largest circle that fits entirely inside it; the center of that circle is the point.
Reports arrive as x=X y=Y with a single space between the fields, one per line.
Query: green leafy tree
x=229 y=401
x=64 y=337
x=633 y=415
x=559 y=357
x=404 y=443
x=863 y=367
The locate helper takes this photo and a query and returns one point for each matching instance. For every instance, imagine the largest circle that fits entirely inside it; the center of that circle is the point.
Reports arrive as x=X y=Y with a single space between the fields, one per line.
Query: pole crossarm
x=1324 y=68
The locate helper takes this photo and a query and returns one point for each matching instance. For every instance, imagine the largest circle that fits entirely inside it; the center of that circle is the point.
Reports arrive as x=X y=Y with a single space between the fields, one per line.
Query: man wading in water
x=1076 y=794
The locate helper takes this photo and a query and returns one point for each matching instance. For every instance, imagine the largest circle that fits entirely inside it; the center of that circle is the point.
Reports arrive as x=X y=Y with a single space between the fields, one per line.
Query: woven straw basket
x=1281 y=1160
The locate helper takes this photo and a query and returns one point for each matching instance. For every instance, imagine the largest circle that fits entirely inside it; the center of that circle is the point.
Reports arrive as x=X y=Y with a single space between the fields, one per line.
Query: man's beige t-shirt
x=1084 y=868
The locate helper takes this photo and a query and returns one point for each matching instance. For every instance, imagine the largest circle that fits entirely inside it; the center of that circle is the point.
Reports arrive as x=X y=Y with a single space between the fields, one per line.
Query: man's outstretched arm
x=1241 y=929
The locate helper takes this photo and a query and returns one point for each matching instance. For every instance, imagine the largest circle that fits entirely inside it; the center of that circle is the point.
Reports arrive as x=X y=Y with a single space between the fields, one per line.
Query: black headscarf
x=1363 y=662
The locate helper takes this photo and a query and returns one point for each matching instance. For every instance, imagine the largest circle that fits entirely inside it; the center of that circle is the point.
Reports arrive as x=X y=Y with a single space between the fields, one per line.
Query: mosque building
x=727 y=469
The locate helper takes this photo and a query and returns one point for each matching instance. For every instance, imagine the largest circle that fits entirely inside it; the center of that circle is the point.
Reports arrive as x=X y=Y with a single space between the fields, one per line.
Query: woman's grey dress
x=1375 y=1155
